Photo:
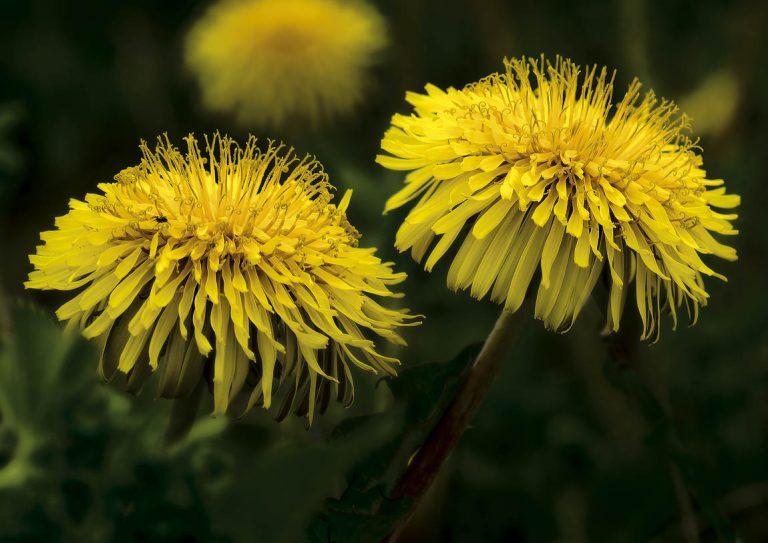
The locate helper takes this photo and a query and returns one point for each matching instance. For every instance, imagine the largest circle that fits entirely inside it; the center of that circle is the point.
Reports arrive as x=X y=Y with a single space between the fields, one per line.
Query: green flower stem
x=426 y=464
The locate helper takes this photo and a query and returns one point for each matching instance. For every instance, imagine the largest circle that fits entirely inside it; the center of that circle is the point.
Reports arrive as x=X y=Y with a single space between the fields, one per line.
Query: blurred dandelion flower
x=546 y=173
x=713 y=104
x=272 y=61
x=232 y=250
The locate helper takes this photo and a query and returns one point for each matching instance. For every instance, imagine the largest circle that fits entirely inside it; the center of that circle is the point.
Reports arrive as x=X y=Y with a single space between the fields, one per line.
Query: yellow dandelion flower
x=269 y=61
x=548 y=174
x=233 y=251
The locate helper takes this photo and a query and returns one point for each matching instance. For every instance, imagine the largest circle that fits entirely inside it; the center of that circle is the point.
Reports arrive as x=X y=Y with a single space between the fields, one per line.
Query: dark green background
x=559 y=452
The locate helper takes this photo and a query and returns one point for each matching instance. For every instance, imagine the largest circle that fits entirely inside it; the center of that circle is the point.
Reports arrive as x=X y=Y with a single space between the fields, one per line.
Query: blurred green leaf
x=77 y=461
x=41 y=377
x=664 y=438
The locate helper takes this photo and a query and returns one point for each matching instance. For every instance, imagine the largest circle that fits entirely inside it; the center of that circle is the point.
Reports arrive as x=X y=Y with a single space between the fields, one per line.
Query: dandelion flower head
x=229 y=264
x=537 y=169
x=274 y=61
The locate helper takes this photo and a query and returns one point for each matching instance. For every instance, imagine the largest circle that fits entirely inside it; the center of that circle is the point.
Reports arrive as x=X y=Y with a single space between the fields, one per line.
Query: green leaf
x=361 y=517
x=364 y=512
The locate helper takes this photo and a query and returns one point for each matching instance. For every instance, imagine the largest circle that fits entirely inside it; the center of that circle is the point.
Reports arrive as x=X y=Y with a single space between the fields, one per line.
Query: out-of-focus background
x=561 y=451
